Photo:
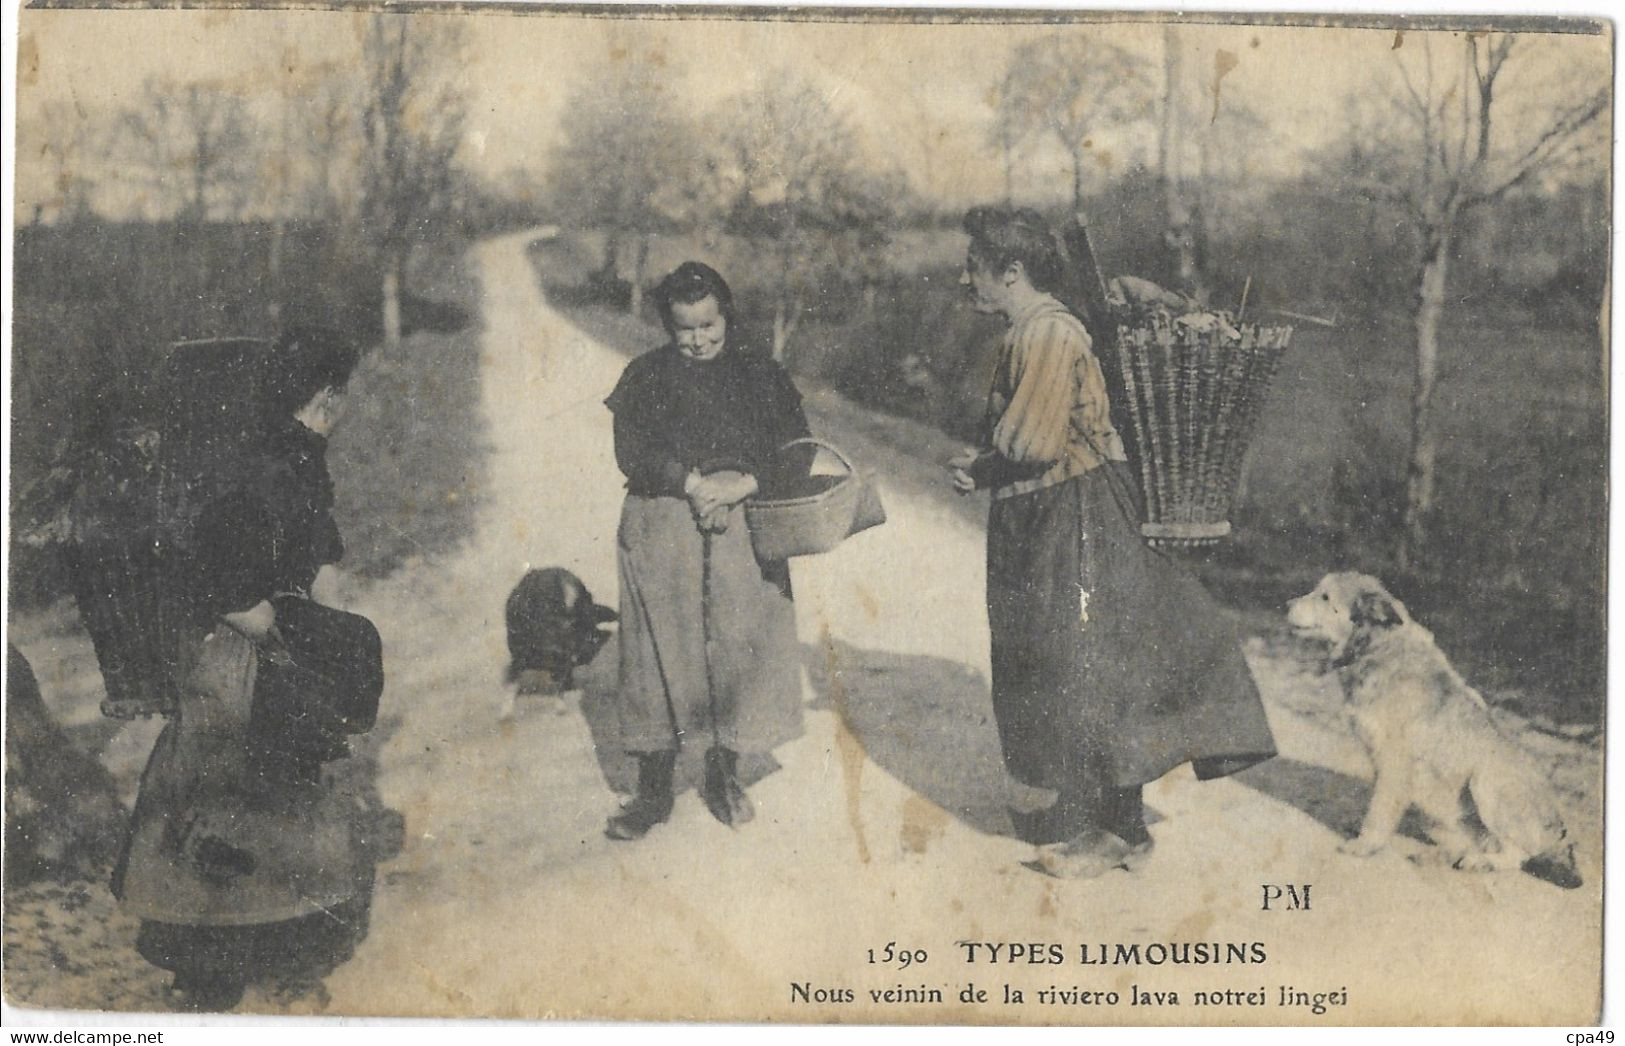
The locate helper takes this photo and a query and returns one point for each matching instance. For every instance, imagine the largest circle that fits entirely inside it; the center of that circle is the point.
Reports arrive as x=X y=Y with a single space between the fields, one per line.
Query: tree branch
x=1410 y=88
x=1466 y=106
x=1545 y=147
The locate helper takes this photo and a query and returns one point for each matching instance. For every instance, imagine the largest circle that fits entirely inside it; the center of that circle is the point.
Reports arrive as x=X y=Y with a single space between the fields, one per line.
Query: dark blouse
x=302 y=488
x=674 y=415
x=273 y=531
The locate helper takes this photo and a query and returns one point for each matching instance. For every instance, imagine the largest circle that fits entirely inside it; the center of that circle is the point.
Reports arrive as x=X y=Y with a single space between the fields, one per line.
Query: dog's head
x=1346 y=610
x=590 y=635
x=587 y=619
x=554 y=623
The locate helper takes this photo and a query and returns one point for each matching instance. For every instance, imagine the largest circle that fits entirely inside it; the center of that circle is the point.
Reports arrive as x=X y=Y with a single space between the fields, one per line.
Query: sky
x=916 y=92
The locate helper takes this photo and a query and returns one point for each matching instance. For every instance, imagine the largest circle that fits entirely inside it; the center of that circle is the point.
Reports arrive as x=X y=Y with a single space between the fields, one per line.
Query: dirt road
x=882 y=824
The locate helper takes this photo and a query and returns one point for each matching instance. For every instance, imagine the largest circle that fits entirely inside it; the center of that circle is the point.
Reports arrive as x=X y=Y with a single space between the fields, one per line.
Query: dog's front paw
x=1472 y=861
x=534 y=681
x=1424 y=856
x=1360 y=846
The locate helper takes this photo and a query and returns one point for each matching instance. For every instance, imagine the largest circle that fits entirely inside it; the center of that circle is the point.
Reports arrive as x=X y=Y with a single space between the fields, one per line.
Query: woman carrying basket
x=1111 y=665
x=241 y=861
x=708 y=644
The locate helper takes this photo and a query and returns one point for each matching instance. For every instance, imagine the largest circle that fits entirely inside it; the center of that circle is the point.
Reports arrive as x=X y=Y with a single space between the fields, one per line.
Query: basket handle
x=832 y=448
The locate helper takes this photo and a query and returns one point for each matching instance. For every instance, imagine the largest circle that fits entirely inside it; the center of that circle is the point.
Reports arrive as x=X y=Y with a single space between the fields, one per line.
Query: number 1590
x=903 y=958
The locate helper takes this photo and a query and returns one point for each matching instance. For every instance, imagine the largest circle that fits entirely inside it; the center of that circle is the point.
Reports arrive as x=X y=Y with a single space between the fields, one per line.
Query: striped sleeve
x=1096 y=404
x=1043 y=362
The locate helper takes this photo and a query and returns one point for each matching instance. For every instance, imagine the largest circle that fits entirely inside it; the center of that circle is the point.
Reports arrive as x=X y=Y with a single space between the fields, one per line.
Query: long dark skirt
x=707 y=635
x=238 y=875
x=293 y=952
x=1111 y=664
x=213 y=840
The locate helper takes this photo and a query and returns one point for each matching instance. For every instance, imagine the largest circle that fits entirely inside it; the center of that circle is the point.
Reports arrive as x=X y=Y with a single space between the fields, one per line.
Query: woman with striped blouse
x=1111 y=665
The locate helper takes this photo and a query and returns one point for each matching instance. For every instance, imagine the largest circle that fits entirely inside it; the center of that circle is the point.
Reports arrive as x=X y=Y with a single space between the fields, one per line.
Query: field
x=407 y=457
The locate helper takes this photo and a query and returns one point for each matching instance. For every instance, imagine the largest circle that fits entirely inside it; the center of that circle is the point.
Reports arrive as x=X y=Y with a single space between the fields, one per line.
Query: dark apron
x=1111 y=664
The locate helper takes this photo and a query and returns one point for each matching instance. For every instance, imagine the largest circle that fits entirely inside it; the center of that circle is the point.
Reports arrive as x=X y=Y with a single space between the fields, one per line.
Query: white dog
x=1431 y=739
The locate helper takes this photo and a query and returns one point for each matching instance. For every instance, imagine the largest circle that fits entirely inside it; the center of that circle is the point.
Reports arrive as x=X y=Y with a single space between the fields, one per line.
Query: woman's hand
x=960 y=465
x=715 y=521
x=256 y=622
x=710 y=495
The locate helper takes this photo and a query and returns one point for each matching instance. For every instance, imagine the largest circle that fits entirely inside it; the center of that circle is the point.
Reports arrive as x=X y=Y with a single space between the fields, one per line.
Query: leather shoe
x=724 y=796
x=653 y=802
x=1088 y=855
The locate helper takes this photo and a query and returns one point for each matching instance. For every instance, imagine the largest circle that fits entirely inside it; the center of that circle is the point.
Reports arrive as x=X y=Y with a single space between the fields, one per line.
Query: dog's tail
x=1556 y=867
x=1515 y=802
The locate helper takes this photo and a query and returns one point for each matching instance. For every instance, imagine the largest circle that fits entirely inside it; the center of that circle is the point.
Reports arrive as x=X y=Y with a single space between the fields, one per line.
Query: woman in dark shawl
x=1111 y=665
x=707 y=639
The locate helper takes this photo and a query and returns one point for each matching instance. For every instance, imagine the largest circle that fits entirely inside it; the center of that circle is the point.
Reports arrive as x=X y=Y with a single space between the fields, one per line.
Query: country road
x=883 y=823
x=508 y=900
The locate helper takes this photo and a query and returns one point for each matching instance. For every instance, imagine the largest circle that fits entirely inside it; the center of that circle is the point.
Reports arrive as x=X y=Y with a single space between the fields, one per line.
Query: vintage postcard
x=815 y=516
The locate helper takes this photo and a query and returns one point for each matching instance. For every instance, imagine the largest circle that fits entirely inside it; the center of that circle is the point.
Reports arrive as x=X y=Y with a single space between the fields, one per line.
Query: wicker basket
x=135 y=495
x=1188 y=402
x=115 y=566
x=832 y=509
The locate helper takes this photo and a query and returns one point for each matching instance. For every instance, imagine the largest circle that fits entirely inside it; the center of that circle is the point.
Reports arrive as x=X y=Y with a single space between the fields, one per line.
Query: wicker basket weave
x=833 y=508
x=135 y=496
x=1189 y=401
x=133 y=627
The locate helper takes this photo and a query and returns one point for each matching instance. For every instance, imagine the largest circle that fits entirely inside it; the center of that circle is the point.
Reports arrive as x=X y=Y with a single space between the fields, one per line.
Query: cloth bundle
x=317 y=682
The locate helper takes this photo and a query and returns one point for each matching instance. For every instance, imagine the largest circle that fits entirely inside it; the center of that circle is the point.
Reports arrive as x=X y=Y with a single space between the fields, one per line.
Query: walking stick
x=705 y=630
x=716 y=794
x=707 y=535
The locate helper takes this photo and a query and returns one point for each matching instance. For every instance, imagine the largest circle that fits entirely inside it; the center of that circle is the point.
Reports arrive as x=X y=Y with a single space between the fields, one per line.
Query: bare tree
x=1005 y=135
x=1232 y=145
x=799 y=188
x=69 y=139
x=314 y=171
x=310 y=172
x=629 y=165
x=1184 y=230
x=1073 y=89
x=192 y=143
x=412 y=121
x=1443 y=153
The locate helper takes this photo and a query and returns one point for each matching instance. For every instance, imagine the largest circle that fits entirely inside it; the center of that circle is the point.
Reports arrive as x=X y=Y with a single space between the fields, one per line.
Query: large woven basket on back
x=114 y=559
x=135 y=495
x=1188 y=401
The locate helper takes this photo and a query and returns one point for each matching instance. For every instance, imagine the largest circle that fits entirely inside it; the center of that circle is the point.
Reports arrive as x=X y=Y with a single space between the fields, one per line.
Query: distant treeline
x=891 y=335
x=1305 y=245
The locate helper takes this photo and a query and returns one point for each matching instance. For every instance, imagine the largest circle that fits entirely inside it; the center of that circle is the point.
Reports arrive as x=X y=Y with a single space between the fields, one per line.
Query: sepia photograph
x=805 y=515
